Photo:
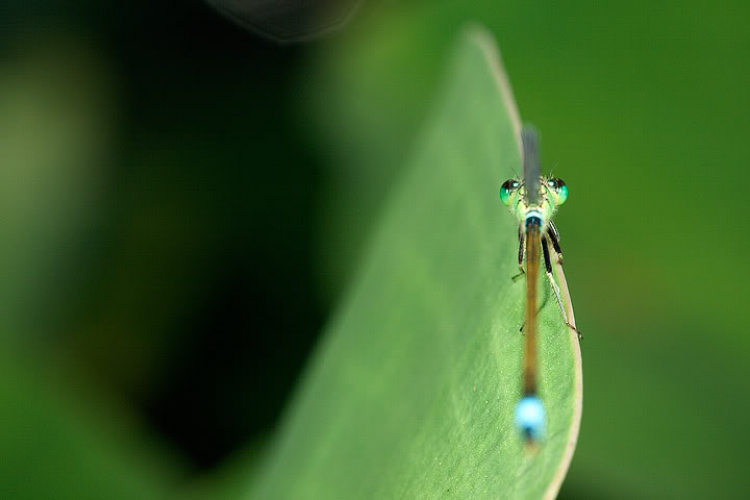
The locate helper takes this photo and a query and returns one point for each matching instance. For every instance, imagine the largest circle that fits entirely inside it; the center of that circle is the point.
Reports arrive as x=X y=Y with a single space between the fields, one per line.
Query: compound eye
x=559 y=188
x=507 y=189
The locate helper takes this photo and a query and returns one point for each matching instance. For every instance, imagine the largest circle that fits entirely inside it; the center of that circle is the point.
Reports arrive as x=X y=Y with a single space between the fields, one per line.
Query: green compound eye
x=506 y=189
x=559 y=188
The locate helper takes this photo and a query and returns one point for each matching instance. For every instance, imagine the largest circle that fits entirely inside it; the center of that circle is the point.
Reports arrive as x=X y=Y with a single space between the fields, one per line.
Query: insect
x=533 y=202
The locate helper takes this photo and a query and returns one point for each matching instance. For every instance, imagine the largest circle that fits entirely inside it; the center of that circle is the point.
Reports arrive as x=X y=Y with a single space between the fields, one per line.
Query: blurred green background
x=182 y=204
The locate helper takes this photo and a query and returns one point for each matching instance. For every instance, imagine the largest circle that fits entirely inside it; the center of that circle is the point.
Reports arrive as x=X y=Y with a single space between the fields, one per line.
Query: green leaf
x=411 y=393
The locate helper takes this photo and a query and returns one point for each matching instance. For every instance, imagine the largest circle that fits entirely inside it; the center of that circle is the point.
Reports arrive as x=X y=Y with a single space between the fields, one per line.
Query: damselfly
x=534 y=201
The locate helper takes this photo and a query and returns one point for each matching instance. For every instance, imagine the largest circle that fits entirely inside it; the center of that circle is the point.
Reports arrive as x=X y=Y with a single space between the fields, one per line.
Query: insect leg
x=521 y=247
x=554 y=237
x=553 y=284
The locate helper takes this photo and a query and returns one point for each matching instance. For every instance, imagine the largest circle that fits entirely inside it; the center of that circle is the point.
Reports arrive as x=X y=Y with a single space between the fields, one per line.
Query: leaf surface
x=411 y=393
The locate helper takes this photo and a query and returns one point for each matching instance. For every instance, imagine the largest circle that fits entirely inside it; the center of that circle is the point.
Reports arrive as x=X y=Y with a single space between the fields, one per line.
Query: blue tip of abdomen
x=531 y=418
